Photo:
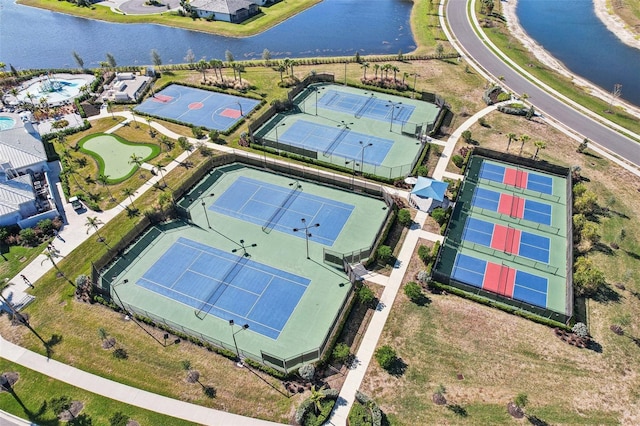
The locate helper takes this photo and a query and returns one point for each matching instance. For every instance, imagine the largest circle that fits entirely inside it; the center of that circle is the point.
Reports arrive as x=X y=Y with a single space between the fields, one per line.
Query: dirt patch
x=73 y=411
x=7 y=380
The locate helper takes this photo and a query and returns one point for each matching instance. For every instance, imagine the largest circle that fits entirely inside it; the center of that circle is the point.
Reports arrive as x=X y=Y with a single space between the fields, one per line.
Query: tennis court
x=370 y=106
x=507 y=239
x=516 y=177
x=501 y=279
x=512 y=205
x=226 y=285
x=282 y=208
x=212 y=110
x=339 y=140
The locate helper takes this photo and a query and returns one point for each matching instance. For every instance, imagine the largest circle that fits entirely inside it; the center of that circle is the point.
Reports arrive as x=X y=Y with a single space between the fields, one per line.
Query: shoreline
x=614 y=24
x=509 y=11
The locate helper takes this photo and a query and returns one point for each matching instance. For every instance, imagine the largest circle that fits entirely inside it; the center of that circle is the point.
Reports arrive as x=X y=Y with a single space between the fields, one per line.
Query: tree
x=539 y=145
x=384 y=254
x=202 y=65
x=521 y=400
x=111 y=60
x=103 y=334
x=185 y=144
x=60 y=405
x=586 y=202
x=281 y=70
x=404 y=217
x=589 y=233
x=364 y=67
x=530 y=113
x=511 y=137
x=160 y=169
x=266 y=56
x=413 y=291
x=135 y=160
x=133 y=116
x=583 y=146
x=439 y=50
x=110 y=109
x=118 y=419
x=376 y=67
x=95 y=222
x=78 y=59
x=156 y=60
x=523 y=139
x=190 y=57
x=365 y=296
x=164 y=140
x=386 y=356
x=228 y=56
x=214 y=135
x=316 y=398
x=587 y=279
x=466 y=135
x=128 y=192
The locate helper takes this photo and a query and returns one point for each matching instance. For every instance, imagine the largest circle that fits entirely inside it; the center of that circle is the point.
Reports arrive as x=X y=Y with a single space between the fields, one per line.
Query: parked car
x=75 y=203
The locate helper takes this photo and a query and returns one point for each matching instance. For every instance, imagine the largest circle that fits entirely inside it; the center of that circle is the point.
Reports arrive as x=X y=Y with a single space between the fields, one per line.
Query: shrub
x=423 y=276
x=587 y=279
x=503 y=97
x=386 y=356
x=341 y=352
x=580 y=329
x=46 y=226
x=60 y=405
x=384 y=254
x=404 y=217
x=307 y=372
x=422 y=171
x=365 y=295
x=439 y=215
x=28 y=236
x=424 y=253
x=458 y=160
x=118 y=419
x=413 y=291
x=120 y=353
x=466 y=135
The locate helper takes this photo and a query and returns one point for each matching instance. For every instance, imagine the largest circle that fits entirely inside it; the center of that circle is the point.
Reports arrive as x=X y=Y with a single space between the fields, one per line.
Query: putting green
x=113 y=154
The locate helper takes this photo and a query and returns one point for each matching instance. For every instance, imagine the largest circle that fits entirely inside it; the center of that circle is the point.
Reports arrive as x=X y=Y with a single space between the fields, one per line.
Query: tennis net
x=217 y=292
x=336 y=141
x=364 y=107
x=277 y=214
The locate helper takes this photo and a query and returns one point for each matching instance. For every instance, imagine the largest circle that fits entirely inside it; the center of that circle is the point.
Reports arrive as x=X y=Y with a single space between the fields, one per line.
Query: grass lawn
x=629 y=12
x=15 y=258
x=500 y=355
x=269 y=17
x=33 y=389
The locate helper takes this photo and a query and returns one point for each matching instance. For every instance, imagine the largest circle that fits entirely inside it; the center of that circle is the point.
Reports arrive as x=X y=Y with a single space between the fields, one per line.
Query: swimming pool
x=56 y=90
x=6 y=123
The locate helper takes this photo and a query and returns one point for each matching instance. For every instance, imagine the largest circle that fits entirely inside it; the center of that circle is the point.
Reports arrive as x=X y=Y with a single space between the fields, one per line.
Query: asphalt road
x=543 y=102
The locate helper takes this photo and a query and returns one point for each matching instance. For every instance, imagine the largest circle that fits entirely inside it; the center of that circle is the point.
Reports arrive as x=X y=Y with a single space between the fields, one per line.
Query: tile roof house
x=24 y=195
x=225 y=10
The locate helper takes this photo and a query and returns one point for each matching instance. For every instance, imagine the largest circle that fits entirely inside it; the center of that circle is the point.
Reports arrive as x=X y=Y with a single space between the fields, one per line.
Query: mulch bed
x=72 y=412
x=7 y=380
x=515 y=411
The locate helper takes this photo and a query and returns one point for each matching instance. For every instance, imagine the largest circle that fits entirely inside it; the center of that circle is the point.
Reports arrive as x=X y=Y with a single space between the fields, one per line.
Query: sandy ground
x=615 y=24
x=509 y=9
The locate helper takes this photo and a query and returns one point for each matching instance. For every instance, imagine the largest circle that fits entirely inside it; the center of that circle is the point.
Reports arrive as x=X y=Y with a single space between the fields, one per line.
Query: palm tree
x=136 y=160
x=164 y=140
x=287 y=63
x=281 y=70
x=376 y=67
x=202 y=66
x=160 y=168
x=539 y=145
x=128 y=192
x=104 y=180
x=95 y=222
x=524 y=139
x=395 y=70
x=149 y=123
x=404 y=76
x=364 y=67
x=50 y=256
x=511 y=136
x=240 y=69
x=133 y=116
x=316 y=399
x=110 y=109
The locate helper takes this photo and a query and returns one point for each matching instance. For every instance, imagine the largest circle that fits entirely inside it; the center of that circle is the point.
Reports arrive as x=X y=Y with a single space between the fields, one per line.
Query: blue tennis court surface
x=282 y=208
x=531 y=288
x=366 y=106
x=537 y=212
x=469 y=270
x=534 y=181
x=335 y=140
x=532 y=246
x=199 y=107
x=534 y=211
x=227 y=286
x=486 y=199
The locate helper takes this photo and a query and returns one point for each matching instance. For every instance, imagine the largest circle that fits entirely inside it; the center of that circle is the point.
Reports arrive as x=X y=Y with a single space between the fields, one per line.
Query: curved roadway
x=456 y=15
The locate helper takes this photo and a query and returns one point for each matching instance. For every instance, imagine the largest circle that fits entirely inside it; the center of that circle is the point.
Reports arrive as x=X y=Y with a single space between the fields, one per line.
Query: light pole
x=240 y=105
x=353 y=171
x=277 y=142
x=318 y=91
x=307 y=234
x=235 y=343
x=415 y=74
x=244 y=248
x=204 y=207
x=393 y=106
x=363 y=147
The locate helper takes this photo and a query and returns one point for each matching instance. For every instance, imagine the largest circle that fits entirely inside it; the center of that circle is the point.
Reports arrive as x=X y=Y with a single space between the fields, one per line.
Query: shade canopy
x=430 y=188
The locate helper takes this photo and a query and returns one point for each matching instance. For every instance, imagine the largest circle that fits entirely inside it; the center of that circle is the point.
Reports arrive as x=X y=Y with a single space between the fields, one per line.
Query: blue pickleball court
x=282 y=208
x=198 y=107
x=226 y=285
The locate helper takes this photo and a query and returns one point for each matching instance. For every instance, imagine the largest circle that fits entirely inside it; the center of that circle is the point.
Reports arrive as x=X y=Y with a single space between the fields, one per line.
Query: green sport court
x=370 y=132
x=240 y=259
x=113 y=154
x=508 y=237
